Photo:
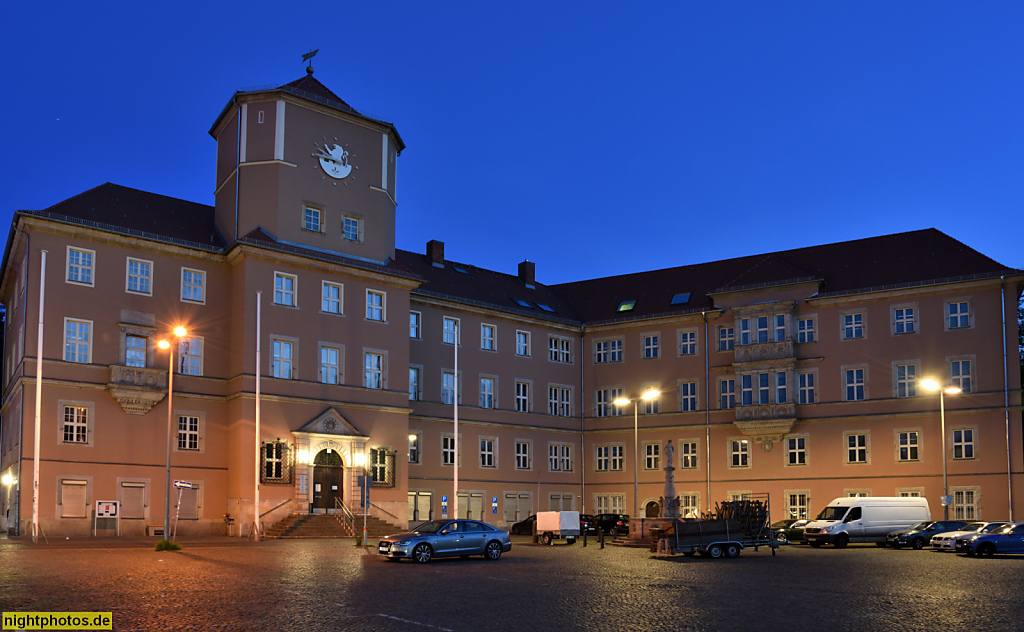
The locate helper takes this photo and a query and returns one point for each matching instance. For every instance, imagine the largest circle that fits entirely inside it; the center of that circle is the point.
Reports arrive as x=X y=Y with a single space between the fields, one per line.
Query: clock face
x=333 y=160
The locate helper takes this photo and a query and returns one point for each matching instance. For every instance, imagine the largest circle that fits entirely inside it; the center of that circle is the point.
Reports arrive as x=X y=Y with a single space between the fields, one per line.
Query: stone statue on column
x=669 y=501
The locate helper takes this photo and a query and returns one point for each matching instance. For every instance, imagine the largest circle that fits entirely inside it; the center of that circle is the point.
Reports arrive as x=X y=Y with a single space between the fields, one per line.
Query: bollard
x=602 y=538
x=584 y=538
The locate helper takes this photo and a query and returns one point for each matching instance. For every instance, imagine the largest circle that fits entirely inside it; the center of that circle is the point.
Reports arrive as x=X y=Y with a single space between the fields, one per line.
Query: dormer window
x=626 y=306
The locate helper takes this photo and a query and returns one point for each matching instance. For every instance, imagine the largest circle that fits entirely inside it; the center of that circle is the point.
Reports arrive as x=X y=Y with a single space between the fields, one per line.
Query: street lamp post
x=623 y=401
x=932 y=385
x=169 y=347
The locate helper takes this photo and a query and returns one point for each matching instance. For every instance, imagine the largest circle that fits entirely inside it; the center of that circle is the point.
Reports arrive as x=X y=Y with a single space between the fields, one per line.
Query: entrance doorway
x=653 y=509
x=328 y=476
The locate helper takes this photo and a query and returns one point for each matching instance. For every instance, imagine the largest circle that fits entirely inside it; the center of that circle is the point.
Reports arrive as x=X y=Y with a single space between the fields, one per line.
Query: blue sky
x=593 y=138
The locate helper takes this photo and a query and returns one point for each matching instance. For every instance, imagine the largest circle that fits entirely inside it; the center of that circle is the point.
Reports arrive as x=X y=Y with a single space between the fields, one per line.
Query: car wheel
x=732 y=550
x=842 y=541
x=781 y=538
x=493 y=550
x=987 y=549
x=546 y=539
x=814 y=544
x=880 y=545
x=715 y=551
x=422 y=553
x=918 y=544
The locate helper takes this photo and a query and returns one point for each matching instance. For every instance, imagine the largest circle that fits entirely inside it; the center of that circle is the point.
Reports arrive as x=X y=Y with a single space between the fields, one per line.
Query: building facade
x=796 y=373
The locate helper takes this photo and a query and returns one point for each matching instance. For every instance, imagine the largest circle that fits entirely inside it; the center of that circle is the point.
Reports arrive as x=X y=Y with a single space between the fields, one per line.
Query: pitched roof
x=310 y=87
x=889 y=261
x=478 y=286
x=132 y=212
x=259 y=237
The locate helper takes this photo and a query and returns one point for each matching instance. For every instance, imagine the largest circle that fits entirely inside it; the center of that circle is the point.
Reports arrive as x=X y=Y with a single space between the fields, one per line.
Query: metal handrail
x=278 y=507
x=345 y=516
x=384 y=511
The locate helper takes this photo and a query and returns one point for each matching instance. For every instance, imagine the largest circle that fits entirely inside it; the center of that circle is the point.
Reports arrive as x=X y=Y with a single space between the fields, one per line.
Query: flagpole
x=39 y=402
x=256 y=493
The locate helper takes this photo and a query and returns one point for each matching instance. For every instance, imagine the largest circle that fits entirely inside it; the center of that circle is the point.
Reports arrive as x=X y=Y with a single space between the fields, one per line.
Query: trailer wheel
x=715 y=551
x=546 y=538
x=732 y=550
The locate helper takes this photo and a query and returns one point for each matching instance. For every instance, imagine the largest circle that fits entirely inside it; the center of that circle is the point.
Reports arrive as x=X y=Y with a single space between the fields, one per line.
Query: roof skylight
x=546 y=308
x=521 y=303
x=626 y=306
x=681 y=299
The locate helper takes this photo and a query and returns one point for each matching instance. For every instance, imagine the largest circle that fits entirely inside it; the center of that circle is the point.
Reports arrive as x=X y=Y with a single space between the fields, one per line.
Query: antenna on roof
x=308 y=57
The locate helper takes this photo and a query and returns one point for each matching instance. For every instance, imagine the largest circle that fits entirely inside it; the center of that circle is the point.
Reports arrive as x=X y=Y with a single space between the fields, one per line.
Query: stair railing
x=344 y=515
x=394 y=522
x=263 y=528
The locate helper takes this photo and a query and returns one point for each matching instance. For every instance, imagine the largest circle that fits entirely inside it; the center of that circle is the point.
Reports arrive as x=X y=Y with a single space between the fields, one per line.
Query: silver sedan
x=446 y=538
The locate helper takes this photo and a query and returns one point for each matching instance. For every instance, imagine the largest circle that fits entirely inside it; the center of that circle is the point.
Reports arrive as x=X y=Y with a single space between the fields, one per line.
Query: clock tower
x=304 y=166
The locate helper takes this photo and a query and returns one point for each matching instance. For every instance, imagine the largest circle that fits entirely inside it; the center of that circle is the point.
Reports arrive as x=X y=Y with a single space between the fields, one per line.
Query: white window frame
x=488 y=452
x=651 y=346
x=606 y=351
x=132 y=353
x=560 y=349
x=523 y=450
x=326 y=366
x=416 y=325
x=796 y=450
x=739 y=453
x=652 y=455
x=375 y=377
x=523 y=343
x=908 y=445
x=284 y=295
x=523 y=389
x=79 y=268
x=687 y=342
x=604 y=402
x=445 y=390
x=966 y=383
x=448 y=445
x=79 y=341
x=964 y=443
x=189 y=360
x=853 y=325
x=807 y=391
x=861 y=450
x=77 y=409
x=488 y=337
x=727 y=393
x=283 y=366
x=956 y=317
x=560 y=457
x=188 y=281
x=373 y=309
x=449 y=329
x=726 y=338
x=798 y=503
x=190 y=434
x=415 y=383
x=559 y=400
x=905 y=377
x=488 y=391
x=689 y=458
x=138 y=276
x=327 y=301
x=854 y=380
x=966 y=503
x=904 y=319
x=415 y=441
x=688 y=399
x=806 y=329
x=358 y=222
x=306 y=209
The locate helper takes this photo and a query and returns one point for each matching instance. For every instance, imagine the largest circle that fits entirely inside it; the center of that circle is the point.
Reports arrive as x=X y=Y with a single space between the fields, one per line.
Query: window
x=487 y=392
x=781 y=395
x=193 y=285
x=856 y=447
x=960 y=374
x=762 y=329
x=74 y=499
x=689 y=505
x=687 y=343
x=652 y=456
x=908 y=442
x=725 y=338
x=746 y=390
x=903 y=320
x=522 y=397
x=133 y=500
x=745 y=338
x=414 y=447
x=522 y=455
x=448 y=450
x=415 y=325
x=687 y=396
x=727 y=390
x=375 y=305
x=134 y=351
x=605 y=402
x=448 y=387
x=78 y=341
x=805 y=382
x=652 y=406
x=76 y=424
x=311 y=218
x=796 y=451
x=607 y=351
x=414 y=383
x=486 y=452
x=796 y=504
x=687 y=455
x=965 y=503
x=276 y=466
x=763 y=390
x=352 y=228
x=853 y=326
x=560 y=350
x=382 y=467
x=139 y=277
x=560 y=401
x=522 y=343
x=330 y=365
x=188 y=432
x=487 y=337
x=282 y=359
x=190 y=356
x=854 y=384
x=780 y=327
x=284 y=289
x=651 y=347
x=959 y=314
x=80 y=266
x=609 y=503
x=331 y=295
x=739 y=453
x=963 y=443
x=609 y=458
x=906 y=380
x=805 y=330
x=373 y=374
x=449 y=330
x=560 y=457
x=626 y=306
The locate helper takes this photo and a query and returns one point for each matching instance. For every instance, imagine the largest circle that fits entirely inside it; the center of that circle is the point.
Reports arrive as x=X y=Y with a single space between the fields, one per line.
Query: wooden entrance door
x=328 y=475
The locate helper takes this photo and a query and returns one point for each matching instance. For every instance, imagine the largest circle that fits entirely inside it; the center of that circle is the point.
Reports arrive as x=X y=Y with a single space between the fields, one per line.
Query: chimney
x=435 y=251
x=528 y=273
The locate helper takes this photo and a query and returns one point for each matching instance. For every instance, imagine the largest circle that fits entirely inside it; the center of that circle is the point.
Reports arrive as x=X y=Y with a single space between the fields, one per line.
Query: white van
x=864 y=519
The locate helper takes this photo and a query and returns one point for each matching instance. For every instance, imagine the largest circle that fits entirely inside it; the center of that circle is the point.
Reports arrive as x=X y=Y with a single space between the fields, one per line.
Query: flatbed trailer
x=735 y=525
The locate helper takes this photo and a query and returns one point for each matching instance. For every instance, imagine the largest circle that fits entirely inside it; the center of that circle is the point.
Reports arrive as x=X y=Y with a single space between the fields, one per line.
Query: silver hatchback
x=446 y=538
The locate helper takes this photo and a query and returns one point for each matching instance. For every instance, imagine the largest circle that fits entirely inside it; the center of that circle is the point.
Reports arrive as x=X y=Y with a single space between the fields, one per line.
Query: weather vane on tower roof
x=309 y=57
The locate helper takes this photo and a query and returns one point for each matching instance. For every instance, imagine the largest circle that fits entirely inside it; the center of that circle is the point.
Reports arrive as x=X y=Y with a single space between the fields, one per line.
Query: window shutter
x=133 y=500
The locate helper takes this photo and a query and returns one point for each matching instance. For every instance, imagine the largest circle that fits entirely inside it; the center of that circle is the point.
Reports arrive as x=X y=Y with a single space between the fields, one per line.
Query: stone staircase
x=328 y=526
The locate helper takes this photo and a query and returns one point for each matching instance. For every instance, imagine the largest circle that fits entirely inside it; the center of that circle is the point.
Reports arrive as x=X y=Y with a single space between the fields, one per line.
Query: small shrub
x=359 y=540
x=167 y=545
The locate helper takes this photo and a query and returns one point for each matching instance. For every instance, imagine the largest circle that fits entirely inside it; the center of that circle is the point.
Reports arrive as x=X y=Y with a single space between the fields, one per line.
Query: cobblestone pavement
x=225 y=585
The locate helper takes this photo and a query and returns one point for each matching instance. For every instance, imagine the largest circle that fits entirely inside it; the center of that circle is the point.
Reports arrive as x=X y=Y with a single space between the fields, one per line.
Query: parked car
x=1008 y=539
x=612 y=524
x=587 y=524
x=919 y=534
x=947 y=541
x=789 y=530
x=523 y=527
x=446 y=538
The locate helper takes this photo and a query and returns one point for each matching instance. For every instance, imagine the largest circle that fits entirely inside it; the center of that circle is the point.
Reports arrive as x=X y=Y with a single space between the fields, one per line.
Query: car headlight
x=825 y=529
x=403 y=542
